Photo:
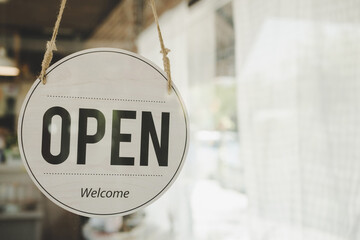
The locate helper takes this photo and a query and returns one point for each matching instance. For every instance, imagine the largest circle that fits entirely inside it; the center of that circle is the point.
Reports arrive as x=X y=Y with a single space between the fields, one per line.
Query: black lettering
x=107 y=195
x=86 y=192
x=118 y=137
x=102 y=196
x=148 y=128
x=93 y=194
x=83 y=138
x=89 y=192
x=65 y=135
x=117 y=194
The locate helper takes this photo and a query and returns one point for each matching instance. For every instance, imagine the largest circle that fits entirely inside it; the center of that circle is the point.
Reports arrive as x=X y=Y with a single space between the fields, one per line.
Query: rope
x=51 y=45
x=164 y=50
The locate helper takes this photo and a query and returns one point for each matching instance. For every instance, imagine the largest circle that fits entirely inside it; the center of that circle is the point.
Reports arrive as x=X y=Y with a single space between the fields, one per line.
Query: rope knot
x=50 y=45
x=165 y=51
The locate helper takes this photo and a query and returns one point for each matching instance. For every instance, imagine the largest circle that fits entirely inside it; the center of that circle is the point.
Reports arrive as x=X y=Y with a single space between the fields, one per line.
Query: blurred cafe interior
x=272 y=88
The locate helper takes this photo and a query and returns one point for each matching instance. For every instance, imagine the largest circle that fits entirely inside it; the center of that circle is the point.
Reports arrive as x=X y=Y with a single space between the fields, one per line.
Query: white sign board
x=103 y=137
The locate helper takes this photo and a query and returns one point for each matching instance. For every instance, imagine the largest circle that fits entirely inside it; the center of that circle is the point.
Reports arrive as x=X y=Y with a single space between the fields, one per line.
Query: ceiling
x=36 y=18
x=26 y=26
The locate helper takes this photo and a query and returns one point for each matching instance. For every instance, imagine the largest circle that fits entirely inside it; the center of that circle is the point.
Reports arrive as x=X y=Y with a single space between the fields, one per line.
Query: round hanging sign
x=103 y=137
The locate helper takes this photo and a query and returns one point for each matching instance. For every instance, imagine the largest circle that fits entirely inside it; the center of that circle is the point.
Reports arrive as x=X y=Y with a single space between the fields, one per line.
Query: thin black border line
x=186 y=131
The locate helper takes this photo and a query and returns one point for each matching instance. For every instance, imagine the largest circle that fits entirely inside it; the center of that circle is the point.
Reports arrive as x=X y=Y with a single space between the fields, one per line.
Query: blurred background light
x=7 y=65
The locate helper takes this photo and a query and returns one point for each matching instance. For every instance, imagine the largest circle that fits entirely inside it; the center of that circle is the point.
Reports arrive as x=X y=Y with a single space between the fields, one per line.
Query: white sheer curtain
x=299 y=102
x=298 y=108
